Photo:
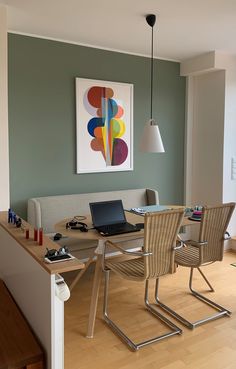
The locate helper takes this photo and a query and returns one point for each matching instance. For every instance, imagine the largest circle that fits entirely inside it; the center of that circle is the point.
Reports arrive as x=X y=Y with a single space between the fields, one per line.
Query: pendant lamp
x=151 y=139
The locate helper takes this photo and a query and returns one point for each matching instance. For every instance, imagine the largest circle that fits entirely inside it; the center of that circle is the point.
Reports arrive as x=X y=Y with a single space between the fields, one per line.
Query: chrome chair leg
x=187 y=323
x=204 y=277
x=151 y=308
x=136 y=346
x=106 y=287
x=220 y=308
x=110 y=323
x=170 y=311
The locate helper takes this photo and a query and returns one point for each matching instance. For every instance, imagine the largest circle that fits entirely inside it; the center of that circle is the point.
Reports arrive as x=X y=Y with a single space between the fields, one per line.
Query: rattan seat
x=188 y=256
x=130 y=269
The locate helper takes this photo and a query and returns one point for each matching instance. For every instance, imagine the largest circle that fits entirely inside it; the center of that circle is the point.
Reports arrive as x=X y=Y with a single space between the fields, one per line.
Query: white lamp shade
x=151 y=139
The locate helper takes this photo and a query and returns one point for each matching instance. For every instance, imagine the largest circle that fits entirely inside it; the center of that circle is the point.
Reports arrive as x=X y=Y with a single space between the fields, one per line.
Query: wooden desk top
x=36 y=251
x=92 y=234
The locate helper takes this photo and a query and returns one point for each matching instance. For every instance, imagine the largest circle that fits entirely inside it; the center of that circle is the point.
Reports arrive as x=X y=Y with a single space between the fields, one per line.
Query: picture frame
x=104 y=126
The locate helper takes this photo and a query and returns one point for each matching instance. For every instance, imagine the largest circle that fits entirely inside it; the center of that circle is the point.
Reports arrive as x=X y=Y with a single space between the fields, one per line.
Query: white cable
x=61 y=289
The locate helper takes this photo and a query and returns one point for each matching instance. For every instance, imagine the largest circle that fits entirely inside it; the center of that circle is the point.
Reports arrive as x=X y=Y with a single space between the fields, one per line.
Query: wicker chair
x=155 y=260
x=207 y=250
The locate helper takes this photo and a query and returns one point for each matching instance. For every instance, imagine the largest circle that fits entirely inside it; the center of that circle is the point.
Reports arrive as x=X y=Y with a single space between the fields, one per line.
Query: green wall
x=42 y=120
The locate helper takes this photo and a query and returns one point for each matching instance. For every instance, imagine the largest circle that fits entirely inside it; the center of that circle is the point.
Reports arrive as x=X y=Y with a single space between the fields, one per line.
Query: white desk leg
x=95 y=289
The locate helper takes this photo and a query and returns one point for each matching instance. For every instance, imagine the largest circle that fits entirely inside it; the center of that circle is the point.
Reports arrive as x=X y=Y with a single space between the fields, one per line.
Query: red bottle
x=35 y=234
x=40 y=236
x=27 y=234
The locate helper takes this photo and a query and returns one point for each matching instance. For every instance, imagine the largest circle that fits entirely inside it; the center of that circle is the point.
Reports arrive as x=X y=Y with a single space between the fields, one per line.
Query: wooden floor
x=212 y=345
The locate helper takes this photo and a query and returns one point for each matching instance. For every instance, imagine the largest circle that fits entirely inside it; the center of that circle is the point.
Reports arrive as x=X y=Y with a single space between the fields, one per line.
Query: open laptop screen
x=107 y=212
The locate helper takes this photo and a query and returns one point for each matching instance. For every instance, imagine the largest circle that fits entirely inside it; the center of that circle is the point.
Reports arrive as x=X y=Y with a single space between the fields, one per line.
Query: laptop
x=109 y=219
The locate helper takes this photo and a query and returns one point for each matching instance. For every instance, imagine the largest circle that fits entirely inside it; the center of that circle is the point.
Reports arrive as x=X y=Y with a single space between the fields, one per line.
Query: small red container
x=40 y=236
x=27 y=234
x=35 y=234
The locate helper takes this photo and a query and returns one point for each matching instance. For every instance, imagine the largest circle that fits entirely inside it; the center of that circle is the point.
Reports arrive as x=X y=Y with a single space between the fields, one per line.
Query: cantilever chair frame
x=201 y=248
x=145 y=254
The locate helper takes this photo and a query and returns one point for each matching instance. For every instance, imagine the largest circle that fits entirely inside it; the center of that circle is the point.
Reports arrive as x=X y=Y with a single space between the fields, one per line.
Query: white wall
x=207 y=141
x=205 y=138
x=4 y=157
x=229 y=185
x=211 y=129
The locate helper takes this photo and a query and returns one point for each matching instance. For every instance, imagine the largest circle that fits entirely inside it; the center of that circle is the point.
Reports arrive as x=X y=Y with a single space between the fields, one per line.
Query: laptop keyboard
x=111 y=228
x=114 y=229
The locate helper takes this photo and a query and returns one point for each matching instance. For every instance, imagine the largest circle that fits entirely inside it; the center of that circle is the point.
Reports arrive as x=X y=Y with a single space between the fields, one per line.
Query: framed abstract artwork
x=104 y=126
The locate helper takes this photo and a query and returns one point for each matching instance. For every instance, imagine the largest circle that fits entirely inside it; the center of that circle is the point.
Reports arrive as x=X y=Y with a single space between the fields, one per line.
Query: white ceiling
x=184 y=28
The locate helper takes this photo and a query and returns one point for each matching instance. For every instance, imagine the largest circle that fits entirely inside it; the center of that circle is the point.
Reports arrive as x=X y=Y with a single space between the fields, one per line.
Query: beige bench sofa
x=45 y=212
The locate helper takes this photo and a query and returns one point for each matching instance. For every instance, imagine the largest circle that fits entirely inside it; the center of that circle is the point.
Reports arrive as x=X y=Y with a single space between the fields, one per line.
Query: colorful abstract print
x=106 y=127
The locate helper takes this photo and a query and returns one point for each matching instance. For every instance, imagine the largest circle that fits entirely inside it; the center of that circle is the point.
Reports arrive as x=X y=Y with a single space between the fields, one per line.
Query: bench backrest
x=46 y=211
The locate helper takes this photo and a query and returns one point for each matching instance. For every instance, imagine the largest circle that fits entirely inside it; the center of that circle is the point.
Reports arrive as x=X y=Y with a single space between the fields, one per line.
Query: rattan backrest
x=161 y=229
x=214 y=223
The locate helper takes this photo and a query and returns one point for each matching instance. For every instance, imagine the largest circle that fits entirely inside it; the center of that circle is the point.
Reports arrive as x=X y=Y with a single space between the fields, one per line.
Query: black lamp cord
x=151 y=72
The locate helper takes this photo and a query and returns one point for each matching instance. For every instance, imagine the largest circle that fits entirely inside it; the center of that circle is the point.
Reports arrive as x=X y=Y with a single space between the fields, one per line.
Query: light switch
x=233 y=168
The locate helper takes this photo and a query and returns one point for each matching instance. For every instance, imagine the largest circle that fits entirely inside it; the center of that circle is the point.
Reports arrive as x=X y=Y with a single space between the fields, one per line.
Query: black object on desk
x=57 y=237
x=53 y=255
x=73 y=224
x=58 y=258
x=140 y=225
